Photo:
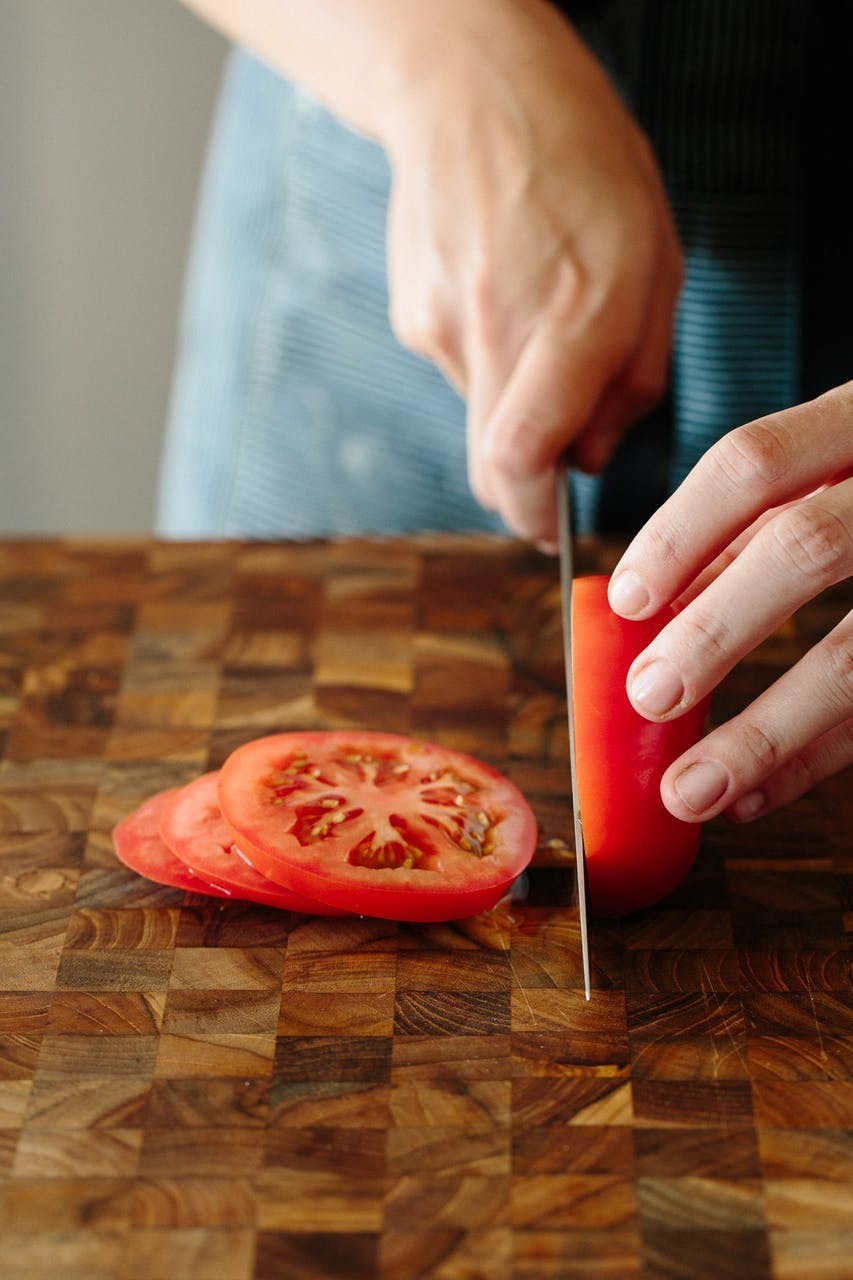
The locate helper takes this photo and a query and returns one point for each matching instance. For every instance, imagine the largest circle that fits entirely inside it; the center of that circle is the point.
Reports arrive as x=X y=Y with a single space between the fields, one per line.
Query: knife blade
x=564 y=527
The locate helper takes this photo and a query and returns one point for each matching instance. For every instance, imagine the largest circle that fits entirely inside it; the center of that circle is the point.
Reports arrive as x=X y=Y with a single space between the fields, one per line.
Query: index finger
x=551 y=393
x=564 y=368
x=757 y=466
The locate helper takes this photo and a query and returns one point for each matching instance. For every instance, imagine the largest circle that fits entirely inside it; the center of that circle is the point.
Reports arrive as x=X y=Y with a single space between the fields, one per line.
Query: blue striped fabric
x=737 y=348
x=295 y=412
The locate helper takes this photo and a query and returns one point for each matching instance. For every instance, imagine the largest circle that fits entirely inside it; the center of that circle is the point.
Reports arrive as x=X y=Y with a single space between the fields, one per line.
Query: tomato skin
x=398 y=798
x=192 y=827
x=139 y=845
x=636 y=851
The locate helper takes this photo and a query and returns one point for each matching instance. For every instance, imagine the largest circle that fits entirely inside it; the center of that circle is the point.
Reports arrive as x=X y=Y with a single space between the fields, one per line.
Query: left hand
x=762 y=524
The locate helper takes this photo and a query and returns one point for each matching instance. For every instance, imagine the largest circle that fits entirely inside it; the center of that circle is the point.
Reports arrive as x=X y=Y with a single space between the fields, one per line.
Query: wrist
x=436 y=59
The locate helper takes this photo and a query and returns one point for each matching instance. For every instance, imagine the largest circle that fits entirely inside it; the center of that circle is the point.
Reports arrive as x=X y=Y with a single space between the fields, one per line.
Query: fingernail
x=748 y=807
x=701 y=785
x=626 y=594
x=657 y=688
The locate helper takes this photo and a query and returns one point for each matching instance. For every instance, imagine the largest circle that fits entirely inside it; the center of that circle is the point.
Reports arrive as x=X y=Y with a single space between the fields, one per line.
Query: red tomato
x=636 y=851
x=377 y=823
x=140 y=846
x=192 y=827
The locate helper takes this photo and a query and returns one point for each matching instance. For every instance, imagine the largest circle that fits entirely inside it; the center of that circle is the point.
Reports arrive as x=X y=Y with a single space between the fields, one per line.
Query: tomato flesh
x=191 y=826
x=636 y=851
x=377 y=824
x=140 y=846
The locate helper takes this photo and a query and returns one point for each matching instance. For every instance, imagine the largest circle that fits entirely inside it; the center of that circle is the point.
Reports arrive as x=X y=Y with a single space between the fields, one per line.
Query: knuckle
x=571 y=287
x=762 y=751
x=510 y=448
x=840 y=652
x=423 y=329
x=754 y=454
x=812 y=540
x=705 y=635
x=844 y=395
x=498 y=319
x=663 y=544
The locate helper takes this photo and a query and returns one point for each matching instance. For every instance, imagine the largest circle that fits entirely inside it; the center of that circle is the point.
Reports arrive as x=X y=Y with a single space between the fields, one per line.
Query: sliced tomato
x=636 y=851
x=140 y=846
x=377 y=823
x=191 y=825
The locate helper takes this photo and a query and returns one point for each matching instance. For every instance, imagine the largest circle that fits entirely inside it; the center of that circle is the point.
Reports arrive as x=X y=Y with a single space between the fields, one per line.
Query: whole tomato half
x=636 y=851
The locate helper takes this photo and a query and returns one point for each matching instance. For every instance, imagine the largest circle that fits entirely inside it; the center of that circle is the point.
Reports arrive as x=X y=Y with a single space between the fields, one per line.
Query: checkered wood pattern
x=226 y=1092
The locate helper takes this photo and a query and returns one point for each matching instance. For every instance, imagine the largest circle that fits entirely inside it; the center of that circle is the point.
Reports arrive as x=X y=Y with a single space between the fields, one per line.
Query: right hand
x=532 y=253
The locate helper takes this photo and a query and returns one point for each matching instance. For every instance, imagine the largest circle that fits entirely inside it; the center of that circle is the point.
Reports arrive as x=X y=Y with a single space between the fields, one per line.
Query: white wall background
x=105 y=107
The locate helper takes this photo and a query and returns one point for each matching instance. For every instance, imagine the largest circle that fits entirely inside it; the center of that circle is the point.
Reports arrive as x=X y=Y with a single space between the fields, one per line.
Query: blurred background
x=105 y=107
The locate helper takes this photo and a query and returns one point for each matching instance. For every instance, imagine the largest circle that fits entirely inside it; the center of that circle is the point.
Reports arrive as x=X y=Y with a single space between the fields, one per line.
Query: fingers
x=738 y=558
x=422 y=312
x=761 y=465
x=550 y=391
x=644 y=380
x=582 y=379
x=733 y=550
x=561 y=375
x=801 y=724
x=827 y=755
x=725 y=558
x=805 y=548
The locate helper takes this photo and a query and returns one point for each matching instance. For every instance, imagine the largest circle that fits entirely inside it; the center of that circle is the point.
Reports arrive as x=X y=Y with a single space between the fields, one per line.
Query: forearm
x=372 y=62
x=355 y=56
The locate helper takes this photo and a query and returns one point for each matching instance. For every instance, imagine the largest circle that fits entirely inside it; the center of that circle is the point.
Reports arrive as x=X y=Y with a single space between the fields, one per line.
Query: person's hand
x=532 y=253
x=762 y=524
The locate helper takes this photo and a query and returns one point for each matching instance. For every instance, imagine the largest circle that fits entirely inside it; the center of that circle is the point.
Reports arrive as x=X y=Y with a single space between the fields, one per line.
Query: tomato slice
x=377 y=823
x=192 y=827
x=140 y=846
x=636 y=851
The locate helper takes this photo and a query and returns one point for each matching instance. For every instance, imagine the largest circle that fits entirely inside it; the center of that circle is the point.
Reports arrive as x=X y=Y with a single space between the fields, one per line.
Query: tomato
x=377 y=823
x=636 y=851
x=140 y=846
x=192 y=827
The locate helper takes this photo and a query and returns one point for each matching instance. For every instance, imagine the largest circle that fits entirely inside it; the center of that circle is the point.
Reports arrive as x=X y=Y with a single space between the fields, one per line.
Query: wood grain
x=221 y=1091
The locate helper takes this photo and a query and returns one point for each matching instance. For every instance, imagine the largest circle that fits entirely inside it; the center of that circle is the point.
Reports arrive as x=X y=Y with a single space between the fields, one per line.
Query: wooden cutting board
x=225 y=1092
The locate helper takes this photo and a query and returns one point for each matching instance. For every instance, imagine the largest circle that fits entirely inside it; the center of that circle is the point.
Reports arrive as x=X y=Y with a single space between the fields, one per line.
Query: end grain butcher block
x=221 y=1091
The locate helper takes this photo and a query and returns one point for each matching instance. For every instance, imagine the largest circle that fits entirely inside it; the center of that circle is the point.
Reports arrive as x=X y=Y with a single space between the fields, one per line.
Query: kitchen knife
x=564 y=527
